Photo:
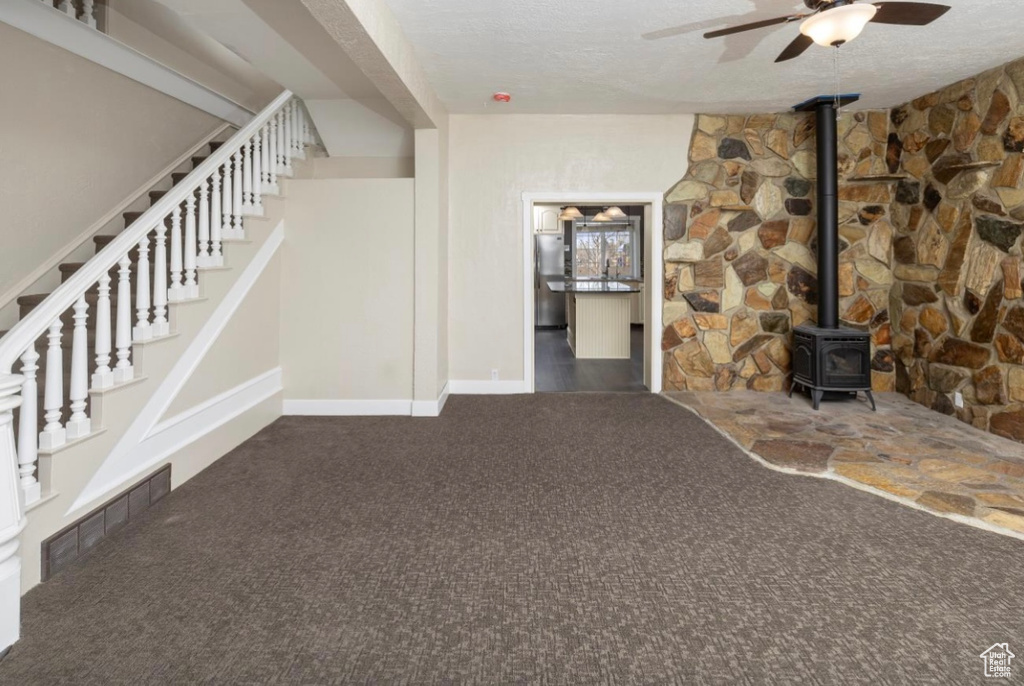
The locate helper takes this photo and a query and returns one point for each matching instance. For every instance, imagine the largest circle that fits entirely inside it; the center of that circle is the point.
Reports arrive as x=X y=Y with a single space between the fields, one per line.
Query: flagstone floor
x=903 y=449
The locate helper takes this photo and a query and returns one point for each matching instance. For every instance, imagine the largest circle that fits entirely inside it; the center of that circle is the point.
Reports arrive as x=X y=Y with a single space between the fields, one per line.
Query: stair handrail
x=31 y=327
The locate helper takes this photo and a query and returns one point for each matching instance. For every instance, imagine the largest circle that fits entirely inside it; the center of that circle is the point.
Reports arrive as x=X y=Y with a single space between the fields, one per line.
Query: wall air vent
x=73 y=542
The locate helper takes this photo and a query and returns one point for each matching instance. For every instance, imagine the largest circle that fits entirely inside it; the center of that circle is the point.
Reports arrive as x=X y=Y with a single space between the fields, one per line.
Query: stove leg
x=871 y=399
x=791 y=387
x=816 y=397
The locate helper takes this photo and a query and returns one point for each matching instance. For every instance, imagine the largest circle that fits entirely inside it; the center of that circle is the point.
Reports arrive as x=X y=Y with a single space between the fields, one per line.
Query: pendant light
x=838 y=25
x=569 y=213
x=615 y=213
x=601 y=217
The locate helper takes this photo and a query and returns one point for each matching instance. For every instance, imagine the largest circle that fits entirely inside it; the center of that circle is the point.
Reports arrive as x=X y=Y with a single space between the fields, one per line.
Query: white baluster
x=247 y=178
x=79 y=424
x=257 y=173
x=12 y=514
x=296 y=143
x=161 y=327
x=88 y=13
x=191 y=286
x=272 y=168
x=281 y=142
x=289 y=148
x=216 y=256
x=203 y=249
x=225 y=205
x=307 y=129
x=143 y=331
x=67 y=7
x=300 y=150
x=103 y=377
x=236 y=198
x=176 y=292
x=53 y=434
x=28 y=431
x=123 y=370
x=265 y=159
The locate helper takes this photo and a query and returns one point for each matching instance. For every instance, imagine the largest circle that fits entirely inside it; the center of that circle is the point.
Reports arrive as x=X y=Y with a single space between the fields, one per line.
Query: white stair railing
x=82 y=10
x=195 y=243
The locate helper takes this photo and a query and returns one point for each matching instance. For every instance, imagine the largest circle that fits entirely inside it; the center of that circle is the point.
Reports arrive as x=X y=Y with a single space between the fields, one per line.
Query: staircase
x=68 y=376
x=27 y=303
x=133 y=276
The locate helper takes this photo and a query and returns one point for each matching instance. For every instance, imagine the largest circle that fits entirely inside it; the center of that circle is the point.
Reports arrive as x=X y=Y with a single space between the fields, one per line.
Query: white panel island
x=598 y=314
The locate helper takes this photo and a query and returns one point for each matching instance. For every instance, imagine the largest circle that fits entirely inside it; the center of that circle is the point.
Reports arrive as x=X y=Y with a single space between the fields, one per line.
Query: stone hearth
x=904 y=451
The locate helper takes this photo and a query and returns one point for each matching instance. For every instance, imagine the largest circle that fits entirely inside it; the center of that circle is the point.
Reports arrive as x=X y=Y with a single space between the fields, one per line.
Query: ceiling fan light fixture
x=838 y=25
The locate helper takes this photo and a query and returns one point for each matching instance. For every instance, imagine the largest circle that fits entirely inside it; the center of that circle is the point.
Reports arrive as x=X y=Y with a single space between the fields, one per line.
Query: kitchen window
x=605 y=251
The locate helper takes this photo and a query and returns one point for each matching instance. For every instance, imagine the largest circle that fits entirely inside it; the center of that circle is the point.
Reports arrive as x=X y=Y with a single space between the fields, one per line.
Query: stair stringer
x=128 y=433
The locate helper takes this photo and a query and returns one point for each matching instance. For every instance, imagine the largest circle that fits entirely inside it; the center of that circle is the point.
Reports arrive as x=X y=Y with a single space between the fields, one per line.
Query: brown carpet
x=583 y=539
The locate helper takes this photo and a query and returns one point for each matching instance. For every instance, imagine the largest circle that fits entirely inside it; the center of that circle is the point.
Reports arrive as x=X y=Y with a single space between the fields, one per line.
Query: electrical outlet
x=494 y=375
x=958 y=399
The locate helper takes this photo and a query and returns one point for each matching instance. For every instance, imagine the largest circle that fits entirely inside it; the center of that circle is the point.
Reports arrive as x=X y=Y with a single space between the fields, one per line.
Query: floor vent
x=73 y=542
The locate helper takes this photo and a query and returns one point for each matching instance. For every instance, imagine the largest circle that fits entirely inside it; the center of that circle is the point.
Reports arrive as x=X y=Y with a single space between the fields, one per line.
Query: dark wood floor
x=558 y=371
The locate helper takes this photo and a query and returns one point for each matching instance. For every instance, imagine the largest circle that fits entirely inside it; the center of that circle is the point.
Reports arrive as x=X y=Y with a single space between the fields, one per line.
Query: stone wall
x=957 y=312
x=931 y=218
x=740 y=259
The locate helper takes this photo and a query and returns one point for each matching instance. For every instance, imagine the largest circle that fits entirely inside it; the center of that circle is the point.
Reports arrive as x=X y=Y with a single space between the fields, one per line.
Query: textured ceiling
x=589 y=56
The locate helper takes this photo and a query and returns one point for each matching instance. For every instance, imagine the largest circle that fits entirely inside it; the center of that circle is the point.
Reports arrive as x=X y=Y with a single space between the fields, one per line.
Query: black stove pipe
x=828 y=216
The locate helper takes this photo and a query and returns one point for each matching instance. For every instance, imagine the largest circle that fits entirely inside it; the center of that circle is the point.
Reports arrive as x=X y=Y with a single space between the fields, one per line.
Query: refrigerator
x=549 y=266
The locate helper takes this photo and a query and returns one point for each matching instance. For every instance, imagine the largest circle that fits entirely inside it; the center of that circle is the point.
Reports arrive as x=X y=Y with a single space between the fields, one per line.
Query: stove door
x=846 y=365
x=803 y=359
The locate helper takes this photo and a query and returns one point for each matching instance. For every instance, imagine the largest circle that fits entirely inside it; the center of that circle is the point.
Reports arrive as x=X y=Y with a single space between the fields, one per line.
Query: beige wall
x=76 y=139
x=431 y=268
x=493 y=160
x=443 y=266
x=358 y=168
x=164 y=36
x=247 y=347
x=347 y=294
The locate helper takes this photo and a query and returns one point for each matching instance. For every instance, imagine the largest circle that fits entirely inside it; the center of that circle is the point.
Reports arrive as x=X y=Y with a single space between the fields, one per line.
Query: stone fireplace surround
x=930 y=217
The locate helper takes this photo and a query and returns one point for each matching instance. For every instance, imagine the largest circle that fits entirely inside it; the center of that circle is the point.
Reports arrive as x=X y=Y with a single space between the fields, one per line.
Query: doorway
x=592 y=315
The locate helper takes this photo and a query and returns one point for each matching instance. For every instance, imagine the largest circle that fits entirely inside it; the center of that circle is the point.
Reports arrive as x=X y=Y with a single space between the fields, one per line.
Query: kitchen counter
x=593 y=286
x=599 y=314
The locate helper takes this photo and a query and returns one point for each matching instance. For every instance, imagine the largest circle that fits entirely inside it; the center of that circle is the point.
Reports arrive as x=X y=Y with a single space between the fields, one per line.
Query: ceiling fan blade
x=795 y=49
x=753 y=25
x=908 y=13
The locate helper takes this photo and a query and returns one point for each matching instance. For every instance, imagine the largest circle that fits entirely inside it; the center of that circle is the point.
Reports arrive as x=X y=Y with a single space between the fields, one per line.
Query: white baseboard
x=348 y=408
x=430 y=408
x=487 y=387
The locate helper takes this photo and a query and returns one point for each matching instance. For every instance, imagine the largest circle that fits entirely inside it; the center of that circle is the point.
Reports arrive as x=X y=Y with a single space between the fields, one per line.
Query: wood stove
x=828 y=360
x=833 y=361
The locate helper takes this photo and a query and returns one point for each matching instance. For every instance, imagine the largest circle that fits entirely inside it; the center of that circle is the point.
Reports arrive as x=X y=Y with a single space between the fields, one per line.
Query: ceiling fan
x=834 y=22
